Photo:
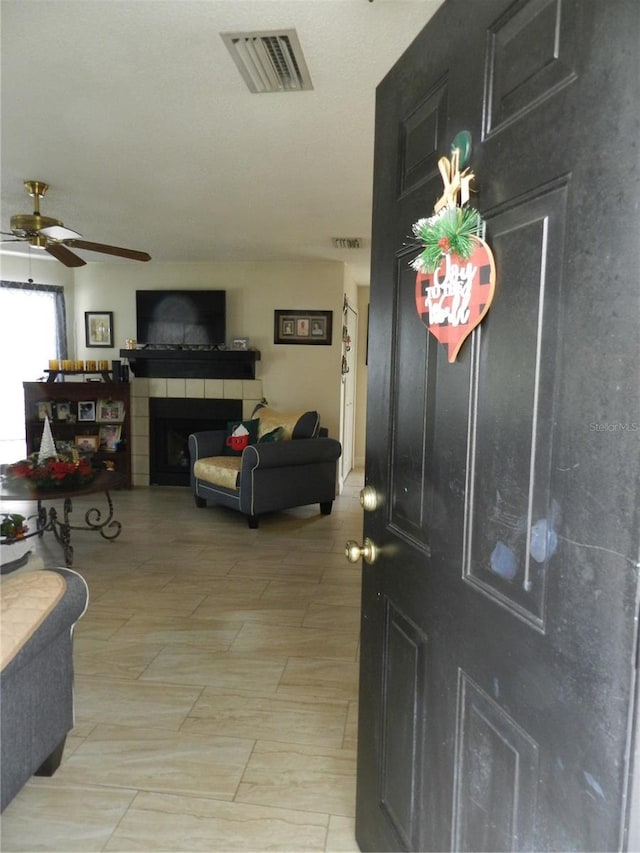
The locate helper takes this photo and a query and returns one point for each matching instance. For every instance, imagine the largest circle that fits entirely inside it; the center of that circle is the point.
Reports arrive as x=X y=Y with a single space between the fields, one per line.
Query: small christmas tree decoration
x=47 y=445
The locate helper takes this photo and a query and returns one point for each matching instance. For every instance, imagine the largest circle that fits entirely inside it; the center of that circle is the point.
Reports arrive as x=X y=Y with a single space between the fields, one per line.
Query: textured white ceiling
x=136 y=116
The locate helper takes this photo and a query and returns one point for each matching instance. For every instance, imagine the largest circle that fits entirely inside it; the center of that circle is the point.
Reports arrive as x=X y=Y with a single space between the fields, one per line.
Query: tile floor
x=216 y=684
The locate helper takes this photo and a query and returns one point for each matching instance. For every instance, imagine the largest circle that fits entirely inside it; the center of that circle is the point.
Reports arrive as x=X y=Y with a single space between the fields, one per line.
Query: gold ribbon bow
x=455 y=182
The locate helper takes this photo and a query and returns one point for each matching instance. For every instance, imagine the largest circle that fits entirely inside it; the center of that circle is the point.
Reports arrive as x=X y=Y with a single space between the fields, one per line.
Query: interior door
x=499 y=631
x=349 y=349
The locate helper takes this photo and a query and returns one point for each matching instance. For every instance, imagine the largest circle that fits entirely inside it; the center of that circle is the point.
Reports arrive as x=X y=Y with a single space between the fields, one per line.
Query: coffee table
x=48 y=519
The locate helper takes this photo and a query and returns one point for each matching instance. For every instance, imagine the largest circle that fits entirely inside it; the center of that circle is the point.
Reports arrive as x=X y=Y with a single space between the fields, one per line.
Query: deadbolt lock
x=369 y=499
x=369 y=552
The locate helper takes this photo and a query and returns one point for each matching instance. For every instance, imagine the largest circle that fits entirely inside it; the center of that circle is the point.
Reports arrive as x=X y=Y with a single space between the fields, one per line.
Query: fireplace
x=171 y=421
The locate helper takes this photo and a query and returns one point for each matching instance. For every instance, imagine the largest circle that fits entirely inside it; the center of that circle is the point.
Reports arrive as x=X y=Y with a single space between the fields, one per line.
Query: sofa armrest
x=206 y=443
x=281 y=474
x=280 y=454
x=61 y=618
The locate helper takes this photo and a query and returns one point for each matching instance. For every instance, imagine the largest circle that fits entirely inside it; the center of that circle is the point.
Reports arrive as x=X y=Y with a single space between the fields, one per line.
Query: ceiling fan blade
x=58 y=232
x=64 y=255
x=109 y=250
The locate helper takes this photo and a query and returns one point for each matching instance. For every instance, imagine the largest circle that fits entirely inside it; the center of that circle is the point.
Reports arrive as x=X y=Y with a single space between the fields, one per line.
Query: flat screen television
x=181 y=317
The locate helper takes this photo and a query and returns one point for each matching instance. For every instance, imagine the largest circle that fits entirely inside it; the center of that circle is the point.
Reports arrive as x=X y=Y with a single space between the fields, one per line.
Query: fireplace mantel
x=192 y=364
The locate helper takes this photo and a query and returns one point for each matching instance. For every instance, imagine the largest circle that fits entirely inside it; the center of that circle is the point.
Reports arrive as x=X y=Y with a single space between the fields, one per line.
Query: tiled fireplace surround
x=247 y=390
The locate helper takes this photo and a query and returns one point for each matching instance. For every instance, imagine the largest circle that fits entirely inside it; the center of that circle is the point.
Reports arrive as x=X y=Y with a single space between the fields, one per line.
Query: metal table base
x=95 y=519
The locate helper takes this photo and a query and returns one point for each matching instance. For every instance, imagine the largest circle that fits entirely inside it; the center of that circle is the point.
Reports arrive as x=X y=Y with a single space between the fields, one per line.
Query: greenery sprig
x=448 y=232
x=12 y=525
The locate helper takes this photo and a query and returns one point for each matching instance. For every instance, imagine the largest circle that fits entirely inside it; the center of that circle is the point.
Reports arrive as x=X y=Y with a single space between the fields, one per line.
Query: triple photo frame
x=303 y=327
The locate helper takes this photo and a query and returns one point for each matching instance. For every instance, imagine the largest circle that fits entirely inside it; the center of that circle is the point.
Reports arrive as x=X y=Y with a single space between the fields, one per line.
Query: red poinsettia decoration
x=52 y=473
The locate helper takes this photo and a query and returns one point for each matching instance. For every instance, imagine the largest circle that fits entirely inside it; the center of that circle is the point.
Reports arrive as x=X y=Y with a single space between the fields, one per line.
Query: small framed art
x=87 y=443
x=64 y=410
x=110 y=436
x=45 y=409
x=98 y=326
x=110 y=410
x=302 y=327
x=86 y=410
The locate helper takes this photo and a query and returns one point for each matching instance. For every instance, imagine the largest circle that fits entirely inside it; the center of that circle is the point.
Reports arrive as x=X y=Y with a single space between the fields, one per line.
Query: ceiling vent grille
x=269 y=61
x=347 y=243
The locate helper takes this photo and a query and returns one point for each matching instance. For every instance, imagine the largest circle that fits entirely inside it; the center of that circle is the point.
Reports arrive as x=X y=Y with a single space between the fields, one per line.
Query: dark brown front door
x=499 y=631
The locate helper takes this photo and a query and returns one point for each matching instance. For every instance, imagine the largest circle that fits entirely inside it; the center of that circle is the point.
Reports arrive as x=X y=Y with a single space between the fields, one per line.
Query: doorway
x=348 y=390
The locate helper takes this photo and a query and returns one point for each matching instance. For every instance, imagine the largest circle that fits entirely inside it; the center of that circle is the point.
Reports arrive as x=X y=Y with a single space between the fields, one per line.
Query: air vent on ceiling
x=269 y=61
x=347 y=243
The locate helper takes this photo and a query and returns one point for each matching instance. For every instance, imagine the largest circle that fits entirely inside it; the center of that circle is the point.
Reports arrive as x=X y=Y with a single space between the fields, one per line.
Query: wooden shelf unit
x=67 y=430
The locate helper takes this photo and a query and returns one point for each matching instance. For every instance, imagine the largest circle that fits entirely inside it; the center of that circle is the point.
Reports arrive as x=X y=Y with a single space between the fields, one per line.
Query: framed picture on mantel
x=98 y=326
x=302 y=327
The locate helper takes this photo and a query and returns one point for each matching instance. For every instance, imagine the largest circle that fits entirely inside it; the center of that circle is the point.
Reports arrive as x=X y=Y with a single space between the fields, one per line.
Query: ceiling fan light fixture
x=24 y=224
x=59 y=232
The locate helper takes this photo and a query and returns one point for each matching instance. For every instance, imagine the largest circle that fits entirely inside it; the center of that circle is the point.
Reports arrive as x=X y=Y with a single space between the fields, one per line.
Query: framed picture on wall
x=302 y=327
x=98 y=327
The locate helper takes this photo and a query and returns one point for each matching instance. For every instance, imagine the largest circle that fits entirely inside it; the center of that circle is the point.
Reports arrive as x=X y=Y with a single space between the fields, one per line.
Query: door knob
x=369 y=499
x=369 y=552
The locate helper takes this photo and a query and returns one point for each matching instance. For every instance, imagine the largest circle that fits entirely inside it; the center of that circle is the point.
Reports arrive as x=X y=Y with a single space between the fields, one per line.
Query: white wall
x=45 y=271
x=292 y=376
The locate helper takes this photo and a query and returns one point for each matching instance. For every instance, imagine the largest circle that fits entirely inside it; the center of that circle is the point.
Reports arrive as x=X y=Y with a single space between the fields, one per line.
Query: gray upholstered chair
x=288 y=463
x=39 y=611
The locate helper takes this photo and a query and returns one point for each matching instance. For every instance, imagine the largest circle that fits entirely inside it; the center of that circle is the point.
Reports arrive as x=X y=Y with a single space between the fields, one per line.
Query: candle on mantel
x=91 y=365
x=54 y=364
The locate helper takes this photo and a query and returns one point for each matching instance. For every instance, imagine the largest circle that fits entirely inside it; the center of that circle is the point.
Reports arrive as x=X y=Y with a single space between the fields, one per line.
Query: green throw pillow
x=276 y=434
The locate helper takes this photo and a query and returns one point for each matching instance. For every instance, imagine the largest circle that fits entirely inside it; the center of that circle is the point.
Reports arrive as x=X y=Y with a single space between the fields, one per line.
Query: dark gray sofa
x=270 y=476
x=39 y=611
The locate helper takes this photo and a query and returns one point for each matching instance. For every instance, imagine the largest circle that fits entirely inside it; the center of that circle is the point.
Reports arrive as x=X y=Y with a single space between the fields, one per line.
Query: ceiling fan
x=51 y=235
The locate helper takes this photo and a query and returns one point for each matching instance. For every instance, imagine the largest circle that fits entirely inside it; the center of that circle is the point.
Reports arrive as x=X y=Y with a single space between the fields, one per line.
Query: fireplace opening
x=171 y=421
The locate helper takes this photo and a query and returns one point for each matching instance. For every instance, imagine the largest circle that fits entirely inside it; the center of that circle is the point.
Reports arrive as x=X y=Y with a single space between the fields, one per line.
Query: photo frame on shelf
x=65 y=446
x=109 y=436
x=44 y=409
x=88 y=443
x=110 y=411
x=98 y=326
x=303 y=327
x=240 y=344
x=64 y=410
x=86 y=410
